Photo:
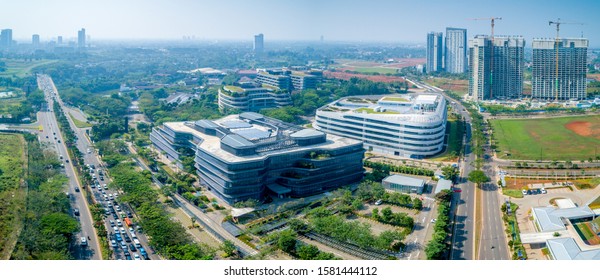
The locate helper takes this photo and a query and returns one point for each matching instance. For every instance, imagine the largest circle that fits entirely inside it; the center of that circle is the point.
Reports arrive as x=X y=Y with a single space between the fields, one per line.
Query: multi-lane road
x=51 y=134
x=115 y=211
x=491 y=243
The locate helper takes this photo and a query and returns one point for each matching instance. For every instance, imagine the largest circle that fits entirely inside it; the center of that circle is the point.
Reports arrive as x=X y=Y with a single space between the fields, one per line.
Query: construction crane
x=492 y=20
x=558 y=22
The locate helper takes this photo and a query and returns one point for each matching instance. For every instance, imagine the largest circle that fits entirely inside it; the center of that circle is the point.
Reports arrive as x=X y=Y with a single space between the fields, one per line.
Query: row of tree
x=437 y=247
x=48 y=227
x=391 y=218
x=287 y=241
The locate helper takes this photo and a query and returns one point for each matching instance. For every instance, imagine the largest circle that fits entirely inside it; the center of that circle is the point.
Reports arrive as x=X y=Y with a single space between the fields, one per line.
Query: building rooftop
x=443 y=184
x=267 y=136
x=398 y=108
x=550 y=218
x=567 y=249
x=404 y=180
x=234 y=89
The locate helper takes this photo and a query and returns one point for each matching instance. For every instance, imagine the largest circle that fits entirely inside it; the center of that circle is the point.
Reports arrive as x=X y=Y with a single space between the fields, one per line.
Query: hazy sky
x=347 y=20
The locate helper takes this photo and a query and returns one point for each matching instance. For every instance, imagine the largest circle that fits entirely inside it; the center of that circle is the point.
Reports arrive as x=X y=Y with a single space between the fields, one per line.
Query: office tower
x=434 y=52
x=81 y=38
x=500 y=77
x=59 y=41
x=6 y=38
x=258 y=43
x=571 y=81
x=456 y=50
x=35 y=40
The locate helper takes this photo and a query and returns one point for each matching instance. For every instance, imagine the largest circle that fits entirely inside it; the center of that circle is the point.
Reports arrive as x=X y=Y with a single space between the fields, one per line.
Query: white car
x=113 y=243
x=122 y=230
x=106 y=197
x=104 y=186
x=119 y=223
x=110 y=196
x=116 y=229
x=136 y=257
x=118 y=208
x=115 y=195
x=131 y=230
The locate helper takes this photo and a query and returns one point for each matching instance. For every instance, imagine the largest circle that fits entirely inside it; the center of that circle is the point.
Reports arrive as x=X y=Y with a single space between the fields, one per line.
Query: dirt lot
x=373 y=78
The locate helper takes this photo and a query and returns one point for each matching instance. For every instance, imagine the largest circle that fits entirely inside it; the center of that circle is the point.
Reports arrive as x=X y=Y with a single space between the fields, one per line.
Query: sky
x=336 y=20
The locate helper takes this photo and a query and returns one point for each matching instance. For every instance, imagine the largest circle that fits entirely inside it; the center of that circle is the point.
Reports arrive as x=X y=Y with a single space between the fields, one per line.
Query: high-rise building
x=259 y=43
x=81 y=38
x=455 y=57
x=434 y=52
x=35 y=40
x=572 y=59
x=59 y=41
x=500 y=77
x=6 y=38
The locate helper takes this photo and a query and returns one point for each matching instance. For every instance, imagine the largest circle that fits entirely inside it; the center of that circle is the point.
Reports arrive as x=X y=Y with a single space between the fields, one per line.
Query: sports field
x=21 y=67
x=566 y=138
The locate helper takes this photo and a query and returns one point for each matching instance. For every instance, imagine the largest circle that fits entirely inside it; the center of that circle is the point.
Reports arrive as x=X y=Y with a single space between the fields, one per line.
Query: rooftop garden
x=395 y=98
x=372 y=111
x=234 y=89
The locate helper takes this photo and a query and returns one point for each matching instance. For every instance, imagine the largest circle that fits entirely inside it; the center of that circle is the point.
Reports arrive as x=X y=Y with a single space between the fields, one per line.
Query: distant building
x=284 y=79
x=455 y=57
x=572 y=68
x=500 y=77
x=81 y=38
x=259 y=43
x=250 y=156
x=35 y=41
x=277 y=79
x=434 y=52
x=411 y=126
x=249 y=98
x=405 y=184
x=6 y=38
x=59 y=40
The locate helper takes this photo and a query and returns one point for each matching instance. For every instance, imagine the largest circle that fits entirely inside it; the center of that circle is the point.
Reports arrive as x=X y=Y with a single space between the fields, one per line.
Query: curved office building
x=249 y=98
x=248 y=156
x=411 y=126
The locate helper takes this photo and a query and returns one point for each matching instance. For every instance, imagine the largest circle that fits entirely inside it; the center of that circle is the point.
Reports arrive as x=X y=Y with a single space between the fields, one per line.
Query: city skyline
x=381 y=20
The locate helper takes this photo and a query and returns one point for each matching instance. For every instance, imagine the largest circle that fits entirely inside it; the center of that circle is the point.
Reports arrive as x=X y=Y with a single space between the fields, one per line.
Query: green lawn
x=372 y=111
x=22 y=68
x=380 y=70
x=595 y=205
x=455 y=130
x=548 y=139
x=512 y=193
x=79 y=123
x=12 y=195
x=584 y=230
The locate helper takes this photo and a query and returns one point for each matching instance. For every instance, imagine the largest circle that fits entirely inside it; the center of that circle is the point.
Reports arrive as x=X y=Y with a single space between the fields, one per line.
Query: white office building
x=406 y=125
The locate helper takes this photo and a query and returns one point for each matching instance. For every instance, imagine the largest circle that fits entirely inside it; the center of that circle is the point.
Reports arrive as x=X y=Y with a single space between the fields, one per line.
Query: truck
x=128 y=222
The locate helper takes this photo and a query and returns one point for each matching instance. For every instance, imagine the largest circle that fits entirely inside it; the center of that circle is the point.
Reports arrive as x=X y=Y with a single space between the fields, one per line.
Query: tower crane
x=558 y=22
x=492 y=20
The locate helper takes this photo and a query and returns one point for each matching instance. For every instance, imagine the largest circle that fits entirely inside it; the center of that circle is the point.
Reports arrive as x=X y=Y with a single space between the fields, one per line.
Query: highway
x=91 y=157
x=493 y=243
x=52 y=135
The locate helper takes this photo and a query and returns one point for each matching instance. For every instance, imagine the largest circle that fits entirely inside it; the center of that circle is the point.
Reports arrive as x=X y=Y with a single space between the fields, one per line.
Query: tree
x=287 y=241
x=229 y=248
x=478 y=177
x=450 y=172
x=308 y=252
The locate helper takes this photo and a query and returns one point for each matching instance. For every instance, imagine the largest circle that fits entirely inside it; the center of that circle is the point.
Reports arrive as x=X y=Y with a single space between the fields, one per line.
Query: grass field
x=512 y=193
x=12 y=196
x=595 y=204
x=7 y=103
x=79 y=123
x=380 y=70
x=586 y=234
x=455 y=130
x=21 y=68
x=567 y=138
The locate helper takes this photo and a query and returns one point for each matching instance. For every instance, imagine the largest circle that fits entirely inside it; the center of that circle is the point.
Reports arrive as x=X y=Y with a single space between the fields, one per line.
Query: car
x=46 y=136
x=118 y=208
x=76 y=212
x=83 y=241
x=116 y=229
x=119 y=223
x=110 y=196
x=112 y=210
x=101 y=178
x=109 y=204
x=112 y=223
x=129 y=215
x=137 y=257
x=92 y=186
x=106 y=211
x=113 y=243
x=115 y=195
x=122 y=230
x=379 y=202
x=529 y=192
x=118 y=237
x=104 y=186
x=524 y=192
x=143 y=253
x=133 y=235
x=127 y=239
x=132 y=248
x=76 y=189
x=123 y=245
x=131 y=230
x=115 y=215
x=103 y=192
x=127 y=255
x=106 y=197
x=67 y=160
x=544 y=191
x=100 y=173
x=433 y=220
x=58 y=141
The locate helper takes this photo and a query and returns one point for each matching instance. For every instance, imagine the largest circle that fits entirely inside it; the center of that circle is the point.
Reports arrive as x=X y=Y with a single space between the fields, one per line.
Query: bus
x=128 y=222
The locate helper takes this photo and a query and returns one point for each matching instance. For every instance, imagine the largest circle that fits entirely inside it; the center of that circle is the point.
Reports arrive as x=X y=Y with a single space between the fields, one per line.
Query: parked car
x=524 y=192
x=76 y=212
x=544 y=191
x=132 y=248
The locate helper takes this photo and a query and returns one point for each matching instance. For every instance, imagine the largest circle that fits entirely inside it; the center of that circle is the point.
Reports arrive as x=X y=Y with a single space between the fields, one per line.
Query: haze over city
x=380 y=20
